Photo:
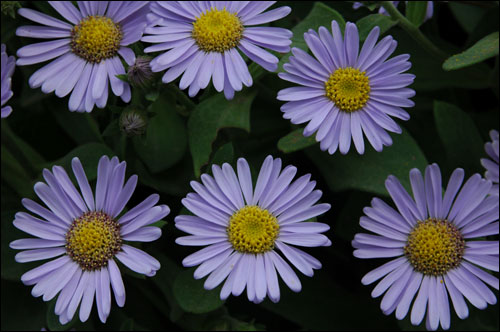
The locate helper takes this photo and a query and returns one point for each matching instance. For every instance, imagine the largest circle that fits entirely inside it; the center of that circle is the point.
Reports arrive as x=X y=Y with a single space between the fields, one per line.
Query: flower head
x=86 y=233
x=202 y=40
x=8 y=65
x=243 y=227
x=433 y=237
x=345 y=93
x=86 y=51
x=491 y=165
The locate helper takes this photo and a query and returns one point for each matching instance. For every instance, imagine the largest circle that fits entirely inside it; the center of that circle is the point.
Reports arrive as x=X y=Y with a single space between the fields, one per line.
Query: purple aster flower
x=86 y=51
x=8 y=65
x=428 y=14
x=433 y=240
x=86 y=234
x=203 y=38
x=242 y=227
x=491 y=165
x=345 y=93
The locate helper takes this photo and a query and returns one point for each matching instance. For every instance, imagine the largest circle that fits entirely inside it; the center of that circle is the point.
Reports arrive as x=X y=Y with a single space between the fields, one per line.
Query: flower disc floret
x=434 y=247
x=93 y=239
x=253 y=230
x=217 y=30
x=96 y=38
x=348 y=88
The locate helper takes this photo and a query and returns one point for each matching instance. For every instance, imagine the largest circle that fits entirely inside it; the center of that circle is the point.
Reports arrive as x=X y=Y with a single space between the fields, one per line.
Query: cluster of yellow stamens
x=96 y=38
x=348 y=88
x=434 y=247
x=93 y=239
x=253 y=230
x=217 y=30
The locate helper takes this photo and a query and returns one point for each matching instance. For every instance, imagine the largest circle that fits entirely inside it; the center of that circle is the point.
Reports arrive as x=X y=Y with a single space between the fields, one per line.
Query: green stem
x=414 y=32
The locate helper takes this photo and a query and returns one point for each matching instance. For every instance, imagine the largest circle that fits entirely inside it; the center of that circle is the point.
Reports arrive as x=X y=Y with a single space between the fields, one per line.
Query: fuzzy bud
x=140 y=74
x=133 y=122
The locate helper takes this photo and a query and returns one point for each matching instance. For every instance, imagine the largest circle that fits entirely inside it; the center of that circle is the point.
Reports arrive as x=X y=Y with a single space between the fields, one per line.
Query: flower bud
x=140 y=74
x=133 y=122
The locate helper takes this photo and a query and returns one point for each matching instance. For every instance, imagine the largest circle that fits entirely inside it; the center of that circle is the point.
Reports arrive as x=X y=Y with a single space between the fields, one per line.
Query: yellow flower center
x=348 y=88
x=96 y=38
x=253 y=230
x=93 y=239
x=434 y=247
x=217 y=30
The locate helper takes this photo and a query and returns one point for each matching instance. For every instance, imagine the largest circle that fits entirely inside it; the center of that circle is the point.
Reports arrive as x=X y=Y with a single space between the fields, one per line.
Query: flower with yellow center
x=86 y=49
x=243 y=228
x=348 y=88
x=93 y=239
x=217 y=30
x=205 y=41
x=431 y=238
x=82 y=234
x=96 y=38
x=347 y=92
x=253 y=230
x=434 y=247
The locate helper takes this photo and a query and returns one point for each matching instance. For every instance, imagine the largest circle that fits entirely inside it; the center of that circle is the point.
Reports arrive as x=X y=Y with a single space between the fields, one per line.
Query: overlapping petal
x=63 y=275
x=293 y=203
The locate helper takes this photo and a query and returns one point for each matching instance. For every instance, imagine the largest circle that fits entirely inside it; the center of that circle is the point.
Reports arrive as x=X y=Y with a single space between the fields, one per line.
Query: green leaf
x=320 y=15
x=461 y=139
x=191 y=295
x=482 y=50
x=295 y=141
x=225 y=154
x=210 y=116
x=89 y=155
x=122 y=77
x=368 y=172
x=152 y=95
x=367 y=23
x=467 y=15
x=415 y=12
x=165 y=141
x=164 y=279
x=21 y=150
x=159 y=223
x=82 y=128
x=429 y=73
x=15 y=175
x=173 y=181
x=113 y=129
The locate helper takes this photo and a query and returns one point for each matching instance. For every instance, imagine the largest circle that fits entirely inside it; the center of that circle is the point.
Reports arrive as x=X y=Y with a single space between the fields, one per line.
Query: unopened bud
x=133 y=122
x=140 y=74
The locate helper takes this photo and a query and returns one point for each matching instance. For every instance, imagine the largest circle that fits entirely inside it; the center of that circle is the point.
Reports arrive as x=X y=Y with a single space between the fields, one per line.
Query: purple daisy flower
x=242 y=227
x=346 y=93
x=87 y=50
x=203 y=38
x=491 y=165
x=86 y=234
x=428 y=14
x=8 y=65
x=433 y=237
